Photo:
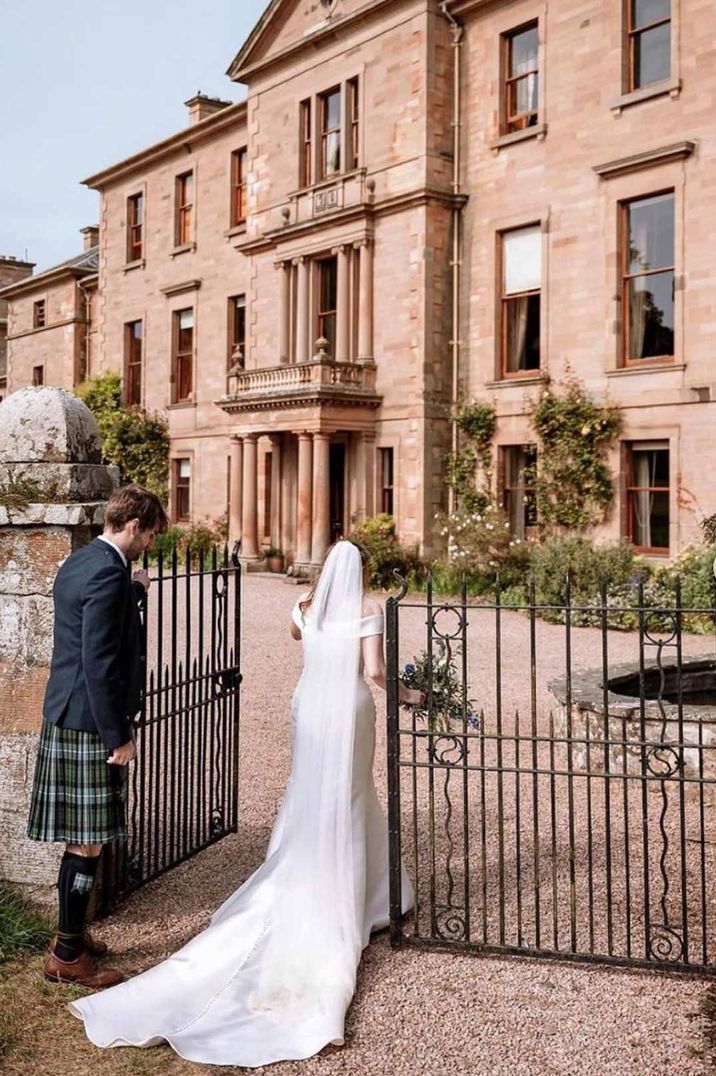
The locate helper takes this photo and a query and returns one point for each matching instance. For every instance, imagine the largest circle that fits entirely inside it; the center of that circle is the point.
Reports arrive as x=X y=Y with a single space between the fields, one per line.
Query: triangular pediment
x=289 y=22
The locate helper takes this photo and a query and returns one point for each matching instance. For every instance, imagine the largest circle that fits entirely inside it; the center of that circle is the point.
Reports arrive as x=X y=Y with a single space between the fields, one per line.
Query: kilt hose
x=77 y=797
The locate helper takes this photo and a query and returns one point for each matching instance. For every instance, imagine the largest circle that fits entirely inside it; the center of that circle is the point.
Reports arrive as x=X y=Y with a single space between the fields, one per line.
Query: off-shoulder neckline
x=368 y=616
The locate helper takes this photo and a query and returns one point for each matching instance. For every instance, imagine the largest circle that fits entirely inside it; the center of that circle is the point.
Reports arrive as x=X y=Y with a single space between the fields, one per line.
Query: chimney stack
x=200 y=107
x=91 y=236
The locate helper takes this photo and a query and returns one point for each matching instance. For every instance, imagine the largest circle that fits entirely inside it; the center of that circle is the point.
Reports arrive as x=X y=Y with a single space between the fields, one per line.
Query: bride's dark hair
x=306 y=603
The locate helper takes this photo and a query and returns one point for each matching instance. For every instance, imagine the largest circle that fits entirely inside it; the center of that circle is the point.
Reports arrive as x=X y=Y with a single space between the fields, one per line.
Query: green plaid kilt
x=76 y=797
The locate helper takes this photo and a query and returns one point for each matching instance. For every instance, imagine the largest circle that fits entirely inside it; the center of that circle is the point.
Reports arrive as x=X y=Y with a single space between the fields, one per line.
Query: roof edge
x=195 y=133
x=240 y=65
x=49 y=276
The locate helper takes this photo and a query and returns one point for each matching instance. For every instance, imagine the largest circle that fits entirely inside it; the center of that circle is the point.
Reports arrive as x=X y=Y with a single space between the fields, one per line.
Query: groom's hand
x=121 y=756
x=142 y=576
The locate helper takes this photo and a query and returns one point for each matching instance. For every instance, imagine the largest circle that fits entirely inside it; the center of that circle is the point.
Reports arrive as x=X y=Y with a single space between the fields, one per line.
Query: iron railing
x=183 y=791
x=578 y=819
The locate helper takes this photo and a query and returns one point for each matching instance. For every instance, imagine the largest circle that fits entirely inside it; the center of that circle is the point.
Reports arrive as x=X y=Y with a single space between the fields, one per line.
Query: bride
x=273 y=974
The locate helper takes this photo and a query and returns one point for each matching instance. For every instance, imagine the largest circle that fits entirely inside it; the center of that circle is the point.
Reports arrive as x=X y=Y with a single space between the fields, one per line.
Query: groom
x=87 y=738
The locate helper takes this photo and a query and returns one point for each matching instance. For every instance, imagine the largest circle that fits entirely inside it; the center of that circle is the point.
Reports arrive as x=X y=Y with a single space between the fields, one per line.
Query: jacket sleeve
x=138 y=591
x=104 y=608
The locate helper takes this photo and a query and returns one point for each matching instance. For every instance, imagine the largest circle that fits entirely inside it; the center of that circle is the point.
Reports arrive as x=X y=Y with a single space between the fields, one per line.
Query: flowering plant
x=436 y=677
x=480 y=544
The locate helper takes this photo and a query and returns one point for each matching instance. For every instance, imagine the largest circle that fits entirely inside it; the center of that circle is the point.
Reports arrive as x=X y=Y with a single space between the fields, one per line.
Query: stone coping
x=587 y=692
x=88 y=513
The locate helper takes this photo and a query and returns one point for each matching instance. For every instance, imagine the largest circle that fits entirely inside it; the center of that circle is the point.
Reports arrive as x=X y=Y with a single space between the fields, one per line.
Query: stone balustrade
x=317 y=378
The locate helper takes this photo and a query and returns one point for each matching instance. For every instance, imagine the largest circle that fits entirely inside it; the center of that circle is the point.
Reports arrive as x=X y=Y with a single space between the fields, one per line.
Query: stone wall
x=50 y=450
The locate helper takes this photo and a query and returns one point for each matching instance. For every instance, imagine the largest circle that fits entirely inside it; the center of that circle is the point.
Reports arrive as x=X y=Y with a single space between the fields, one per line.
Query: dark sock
x=74 y=884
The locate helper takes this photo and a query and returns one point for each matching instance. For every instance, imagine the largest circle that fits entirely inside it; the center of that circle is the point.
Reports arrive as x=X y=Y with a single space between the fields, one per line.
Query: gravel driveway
x=415 y=1012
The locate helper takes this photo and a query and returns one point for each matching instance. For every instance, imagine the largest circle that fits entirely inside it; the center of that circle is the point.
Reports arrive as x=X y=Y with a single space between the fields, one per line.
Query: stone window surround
x=671 y=435
x=298 y=290
x=127 y=193
x=37 y=305
x=234 y=158
x=190 y=245
x=498 y=226
x=175 y=459
x=230 y=314
x=182 y=301
x=393 y=442
x=626 y=187
x=670 y=86
x=508 y=25
x=357 y=74
x=128 y=320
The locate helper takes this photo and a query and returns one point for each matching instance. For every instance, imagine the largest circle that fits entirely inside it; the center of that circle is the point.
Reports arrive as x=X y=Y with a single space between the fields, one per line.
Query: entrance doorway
x=337 y=482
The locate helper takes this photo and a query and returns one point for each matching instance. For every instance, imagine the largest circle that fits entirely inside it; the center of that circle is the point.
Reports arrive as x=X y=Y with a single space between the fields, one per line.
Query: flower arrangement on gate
x=436 y=677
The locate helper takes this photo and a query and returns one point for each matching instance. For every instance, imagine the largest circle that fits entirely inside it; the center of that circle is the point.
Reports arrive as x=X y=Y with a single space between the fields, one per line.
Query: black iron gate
x=573 y=815
x=183 y=791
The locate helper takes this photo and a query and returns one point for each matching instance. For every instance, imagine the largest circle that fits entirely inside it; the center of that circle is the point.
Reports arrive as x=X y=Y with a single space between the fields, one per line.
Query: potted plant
x=274 y=558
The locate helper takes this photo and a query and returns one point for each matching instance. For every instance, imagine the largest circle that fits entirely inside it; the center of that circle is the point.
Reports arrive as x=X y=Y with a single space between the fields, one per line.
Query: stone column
x=365 y=301
x=357 y=477
x=284 y=269
x=249 y=521
x=50 y=447
x=303 y=352
x=276 y=483
x=343 y=311
x=368 y=439
x=236 y=488
x=321 y=497
x=288 y=496
x=305 y=498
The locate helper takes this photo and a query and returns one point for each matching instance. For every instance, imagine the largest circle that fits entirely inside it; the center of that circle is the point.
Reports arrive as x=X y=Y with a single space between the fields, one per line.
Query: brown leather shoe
x=96 y=949
x=81 y=972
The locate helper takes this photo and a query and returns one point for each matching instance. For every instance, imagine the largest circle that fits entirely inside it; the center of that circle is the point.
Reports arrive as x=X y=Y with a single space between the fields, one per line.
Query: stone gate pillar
x=53 y=490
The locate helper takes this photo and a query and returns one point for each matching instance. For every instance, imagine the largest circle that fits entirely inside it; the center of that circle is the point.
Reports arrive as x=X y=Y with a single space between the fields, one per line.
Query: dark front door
x=337 y=480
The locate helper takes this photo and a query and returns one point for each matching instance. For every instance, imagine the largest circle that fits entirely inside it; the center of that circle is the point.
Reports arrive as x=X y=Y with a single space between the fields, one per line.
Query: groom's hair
x=134 y=502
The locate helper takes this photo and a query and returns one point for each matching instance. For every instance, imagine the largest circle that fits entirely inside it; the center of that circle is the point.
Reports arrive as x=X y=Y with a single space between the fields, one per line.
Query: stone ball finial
x=47 y=425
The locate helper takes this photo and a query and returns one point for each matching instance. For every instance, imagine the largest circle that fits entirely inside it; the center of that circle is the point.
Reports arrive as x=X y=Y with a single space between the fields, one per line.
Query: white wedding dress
x=273 y=974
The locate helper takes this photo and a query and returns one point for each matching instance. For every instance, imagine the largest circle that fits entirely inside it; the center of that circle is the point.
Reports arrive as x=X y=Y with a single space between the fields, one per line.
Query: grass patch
x=22 y=927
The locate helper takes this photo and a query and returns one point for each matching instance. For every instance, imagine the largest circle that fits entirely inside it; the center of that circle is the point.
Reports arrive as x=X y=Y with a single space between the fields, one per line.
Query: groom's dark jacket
x=97 y=671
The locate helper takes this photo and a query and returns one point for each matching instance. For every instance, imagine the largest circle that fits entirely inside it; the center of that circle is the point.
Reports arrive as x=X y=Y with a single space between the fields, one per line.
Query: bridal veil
x=272 y=975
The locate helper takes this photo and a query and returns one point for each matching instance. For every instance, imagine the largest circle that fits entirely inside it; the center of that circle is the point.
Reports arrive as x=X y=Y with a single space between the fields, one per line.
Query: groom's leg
x=75 y=881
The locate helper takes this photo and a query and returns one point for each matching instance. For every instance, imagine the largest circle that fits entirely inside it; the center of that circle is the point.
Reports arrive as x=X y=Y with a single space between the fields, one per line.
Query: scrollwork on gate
x=664 y=762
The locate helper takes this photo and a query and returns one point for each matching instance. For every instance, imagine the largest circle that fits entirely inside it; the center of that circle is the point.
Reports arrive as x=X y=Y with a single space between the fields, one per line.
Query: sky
x=85 y=84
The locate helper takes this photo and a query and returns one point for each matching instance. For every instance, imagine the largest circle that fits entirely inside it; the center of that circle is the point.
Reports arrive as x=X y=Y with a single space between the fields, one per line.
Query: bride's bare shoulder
x=371 y=606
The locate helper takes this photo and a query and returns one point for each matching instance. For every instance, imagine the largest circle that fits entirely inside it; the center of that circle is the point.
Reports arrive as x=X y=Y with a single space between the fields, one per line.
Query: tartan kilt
x=76 y=797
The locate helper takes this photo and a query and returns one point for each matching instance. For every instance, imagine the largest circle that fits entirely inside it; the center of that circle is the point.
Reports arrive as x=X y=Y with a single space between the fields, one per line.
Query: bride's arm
x=376 y=671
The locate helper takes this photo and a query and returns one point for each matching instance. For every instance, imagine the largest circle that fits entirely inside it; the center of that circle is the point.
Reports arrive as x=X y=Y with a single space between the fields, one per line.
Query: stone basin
x=621 y=711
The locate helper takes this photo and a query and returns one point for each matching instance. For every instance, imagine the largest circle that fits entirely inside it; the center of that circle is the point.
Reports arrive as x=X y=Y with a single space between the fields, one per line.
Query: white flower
x=489 y=527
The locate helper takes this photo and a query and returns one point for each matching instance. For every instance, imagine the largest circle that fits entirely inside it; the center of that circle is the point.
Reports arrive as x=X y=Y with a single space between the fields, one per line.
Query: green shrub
x=694 y=568
x=385 y=552
x=133 y=439
x=200 y=538
x=590 y=566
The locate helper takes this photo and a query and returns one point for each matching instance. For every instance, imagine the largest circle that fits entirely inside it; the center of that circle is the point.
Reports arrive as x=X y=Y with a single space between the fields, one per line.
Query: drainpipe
x=456 y=29
x=86 y=302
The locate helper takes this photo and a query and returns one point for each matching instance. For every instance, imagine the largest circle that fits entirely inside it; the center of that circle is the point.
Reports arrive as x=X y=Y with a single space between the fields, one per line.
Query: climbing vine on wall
x=469 y=470
x=573 y=484
x=132 y=438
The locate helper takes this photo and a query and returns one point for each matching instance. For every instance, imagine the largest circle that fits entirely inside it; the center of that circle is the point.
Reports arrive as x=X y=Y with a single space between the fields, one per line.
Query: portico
x=302 y=456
